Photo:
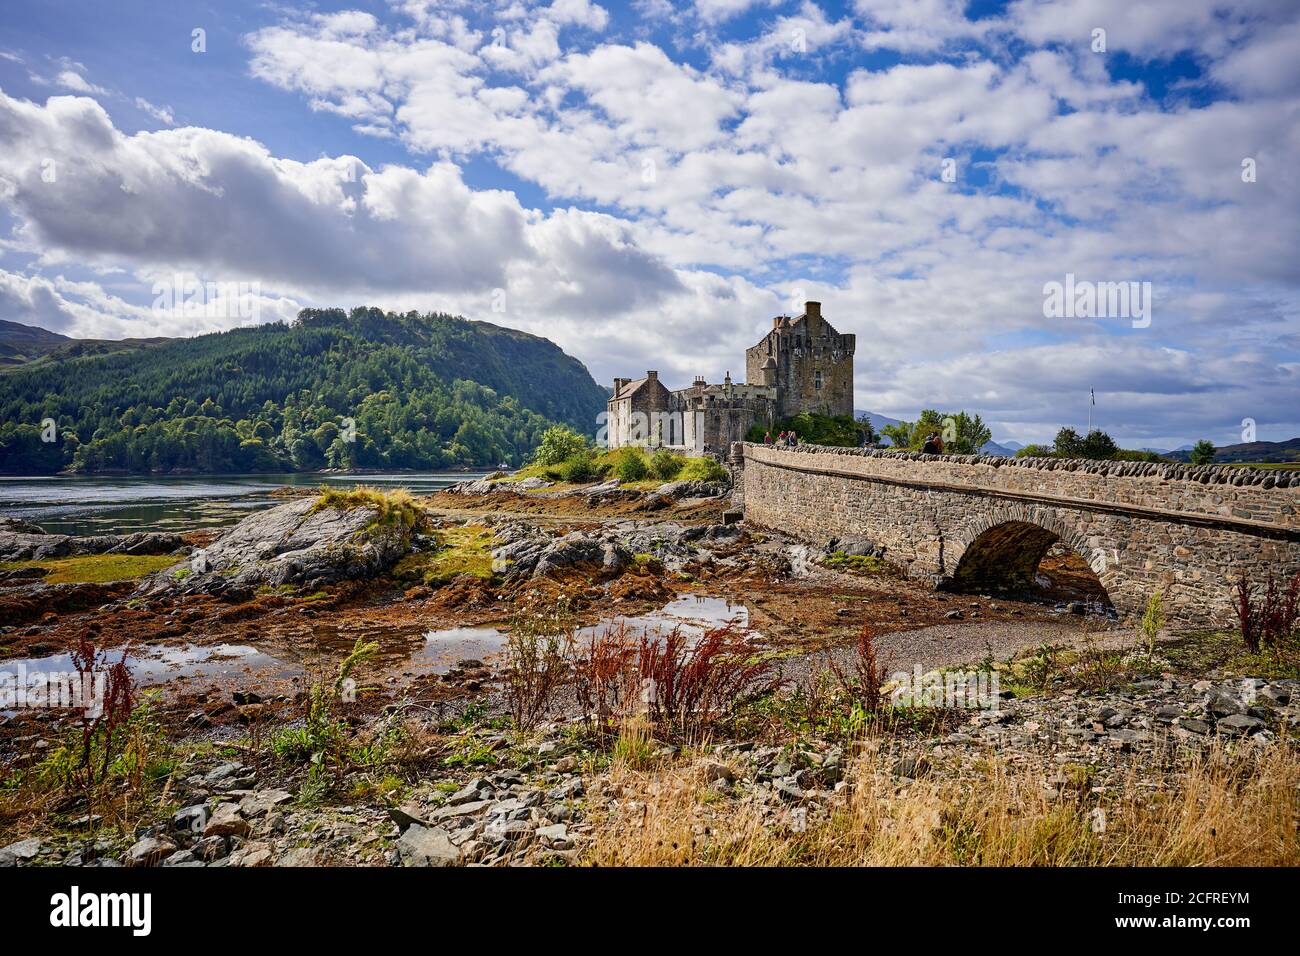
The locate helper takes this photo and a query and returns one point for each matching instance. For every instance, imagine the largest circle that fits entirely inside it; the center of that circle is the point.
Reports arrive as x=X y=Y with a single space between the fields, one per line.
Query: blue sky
x=648 y=183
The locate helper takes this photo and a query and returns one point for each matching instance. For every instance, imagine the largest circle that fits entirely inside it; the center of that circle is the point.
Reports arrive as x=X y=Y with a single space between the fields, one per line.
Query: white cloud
x=161 y=113
x=753 y=158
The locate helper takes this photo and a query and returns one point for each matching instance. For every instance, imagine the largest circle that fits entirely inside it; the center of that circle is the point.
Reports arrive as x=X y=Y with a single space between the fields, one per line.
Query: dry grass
x=1222 y=811
x=393 y=506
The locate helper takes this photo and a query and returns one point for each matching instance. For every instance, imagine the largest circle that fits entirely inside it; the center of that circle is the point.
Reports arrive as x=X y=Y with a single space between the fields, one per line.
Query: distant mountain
x=1269 y=452
x=1012 y=445
x=360 y=389
x=877 y=421
x=22 y=343
x=994 y=448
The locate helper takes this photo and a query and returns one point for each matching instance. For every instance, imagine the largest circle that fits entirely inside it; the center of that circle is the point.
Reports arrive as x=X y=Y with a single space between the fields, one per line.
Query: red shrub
x=867 y=676
x=687 y=684
x=112 y=713
x=604 y=674
x=1272 y=624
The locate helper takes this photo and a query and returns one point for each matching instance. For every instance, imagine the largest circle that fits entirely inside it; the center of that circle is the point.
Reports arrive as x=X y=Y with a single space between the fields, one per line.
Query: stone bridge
x=982 y=524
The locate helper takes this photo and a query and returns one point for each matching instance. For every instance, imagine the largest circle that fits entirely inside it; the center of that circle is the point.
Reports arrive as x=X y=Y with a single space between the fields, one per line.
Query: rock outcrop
x=295 y=543
x=24 y=541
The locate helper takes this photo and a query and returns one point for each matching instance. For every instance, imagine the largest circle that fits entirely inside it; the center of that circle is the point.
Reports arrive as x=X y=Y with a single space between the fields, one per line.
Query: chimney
x=652 y=375
x=812 y=309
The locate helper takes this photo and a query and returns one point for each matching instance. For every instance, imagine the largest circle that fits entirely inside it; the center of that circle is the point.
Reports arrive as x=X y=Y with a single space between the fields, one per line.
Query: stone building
x=801 y=365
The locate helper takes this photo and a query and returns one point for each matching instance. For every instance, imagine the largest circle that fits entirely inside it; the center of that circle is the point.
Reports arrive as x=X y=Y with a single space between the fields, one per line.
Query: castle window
x=817 y=380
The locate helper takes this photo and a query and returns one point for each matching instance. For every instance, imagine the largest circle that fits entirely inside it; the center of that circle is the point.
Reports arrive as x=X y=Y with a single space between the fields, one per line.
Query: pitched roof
x=630 y=388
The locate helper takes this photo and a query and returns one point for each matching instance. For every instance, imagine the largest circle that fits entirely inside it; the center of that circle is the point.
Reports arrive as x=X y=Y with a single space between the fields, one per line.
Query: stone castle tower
x=801 y=365
x=810 y=364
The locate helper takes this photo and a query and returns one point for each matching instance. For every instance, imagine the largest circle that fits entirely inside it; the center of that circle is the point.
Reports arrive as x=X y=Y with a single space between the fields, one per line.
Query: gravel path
x=945 y=645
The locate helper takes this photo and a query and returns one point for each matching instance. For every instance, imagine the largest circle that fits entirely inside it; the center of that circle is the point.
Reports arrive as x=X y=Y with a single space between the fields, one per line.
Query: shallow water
x=163 y=663
x=443 y=649
x=693 y=614
x=407 y=647
x=101 y=505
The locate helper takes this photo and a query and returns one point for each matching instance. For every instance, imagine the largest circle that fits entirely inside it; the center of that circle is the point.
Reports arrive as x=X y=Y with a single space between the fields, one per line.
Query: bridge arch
x=1001 y=550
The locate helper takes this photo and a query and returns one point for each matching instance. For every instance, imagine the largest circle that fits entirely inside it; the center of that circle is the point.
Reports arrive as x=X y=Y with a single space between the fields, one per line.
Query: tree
x=962 y=433
x=1096 y=445
x=866 y=430
x=1035 y=451
x=559 y=443
x=1203 y=452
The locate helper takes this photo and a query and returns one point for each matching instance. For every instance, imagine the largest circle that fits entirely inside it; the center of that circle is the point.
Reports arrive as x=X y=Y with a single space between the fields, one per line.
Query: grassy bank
x=96 y=568
x=637 y=468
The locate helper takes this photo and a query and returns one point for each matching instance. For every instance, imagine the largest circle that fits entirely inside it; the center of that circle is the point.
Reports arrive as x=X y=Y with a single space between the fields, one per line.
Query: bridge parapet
x=1234 y=495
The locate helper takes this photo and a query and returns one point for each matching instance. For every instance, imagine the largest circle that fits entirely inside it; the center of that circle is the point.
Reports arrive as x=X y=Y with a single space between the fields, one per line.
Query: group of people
x=789 y=439
x=933 y=444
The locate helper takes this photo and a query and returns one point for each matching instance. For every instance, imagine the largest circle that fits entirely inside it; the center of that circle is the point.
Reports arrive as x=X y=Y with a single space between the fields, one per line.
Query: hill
x=22 y=343
x=359 y=389
x=1272 y=452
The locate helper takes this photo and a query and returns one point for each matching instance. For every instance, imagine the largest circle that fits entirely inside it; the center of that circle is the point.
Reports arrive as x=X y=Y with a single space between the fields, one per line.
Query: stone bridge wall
x=1185 y=531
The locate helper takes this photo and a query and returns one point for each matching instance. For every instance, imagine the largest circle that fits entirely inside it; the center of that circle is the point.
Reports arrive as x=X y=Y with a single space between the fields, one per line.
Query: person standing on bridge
x=933 y=444
x=767 y=438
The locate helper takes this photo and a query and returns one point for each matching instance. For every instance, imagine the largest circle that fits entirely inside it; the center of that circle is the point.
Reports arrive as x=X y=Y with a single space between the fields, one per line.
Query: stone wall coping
x=1201 y=474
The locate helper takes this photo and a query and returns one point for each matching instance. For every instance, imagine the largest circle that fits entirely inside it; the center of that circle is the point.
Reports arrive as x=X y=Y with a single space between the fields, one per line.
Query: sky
x=649 y=183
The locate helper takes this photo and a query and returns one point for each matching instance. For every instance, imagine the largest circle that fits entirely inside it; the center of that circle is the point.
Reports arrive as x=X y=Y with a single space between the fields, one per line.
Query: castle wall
x=635 y=419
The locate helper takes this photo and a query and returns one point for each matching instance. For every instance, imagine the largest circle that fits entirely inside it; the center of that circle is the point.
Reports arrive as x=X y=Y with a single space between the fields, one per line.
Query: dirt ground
x=298 y=639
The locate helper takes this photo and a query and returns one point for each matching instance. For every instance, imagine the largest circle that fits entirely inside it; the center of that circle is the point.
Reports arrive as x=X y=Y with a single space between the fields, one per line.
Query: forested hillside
x=363 y=389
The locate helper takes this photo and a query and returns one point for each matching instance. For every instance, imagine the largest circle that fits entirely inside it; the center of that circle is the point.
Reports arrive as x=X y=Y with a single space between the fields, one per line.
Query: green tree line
x=359 y=389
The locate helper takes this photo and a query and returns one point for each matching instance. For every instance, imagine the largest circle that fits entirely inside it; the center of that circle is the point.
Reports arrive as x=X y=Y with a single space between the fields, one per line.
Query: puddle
x=157 y=665
x=406 y=648
x=444 y=648
x=694 y=614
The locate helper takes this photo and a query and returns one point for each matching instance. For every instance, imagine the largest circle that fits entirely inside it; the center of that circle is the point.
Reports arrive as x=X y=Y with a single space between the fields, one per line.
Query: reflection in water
x=444 y=648
x=694 y=614
x=95 y=505
x=160 y=664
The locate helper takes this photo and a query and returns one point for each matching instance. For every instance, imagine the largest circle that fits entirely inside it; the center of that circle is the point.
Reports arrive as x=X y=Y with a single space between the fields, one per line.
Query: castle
x=801 y=365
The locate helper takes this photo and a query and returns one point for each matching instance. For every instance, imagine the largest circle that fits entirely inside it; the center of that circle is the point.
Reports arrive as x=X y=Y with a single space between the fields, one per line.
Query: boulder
x=293 y=543
x=149 y=851
x=427 y=846
x=20 y=541
x=22 y=851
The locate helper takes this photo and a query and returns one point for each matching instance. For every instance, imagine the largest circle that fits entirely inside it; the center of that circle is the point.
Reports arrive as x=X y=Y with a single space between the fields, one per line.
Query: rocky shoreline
x=426 y=767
